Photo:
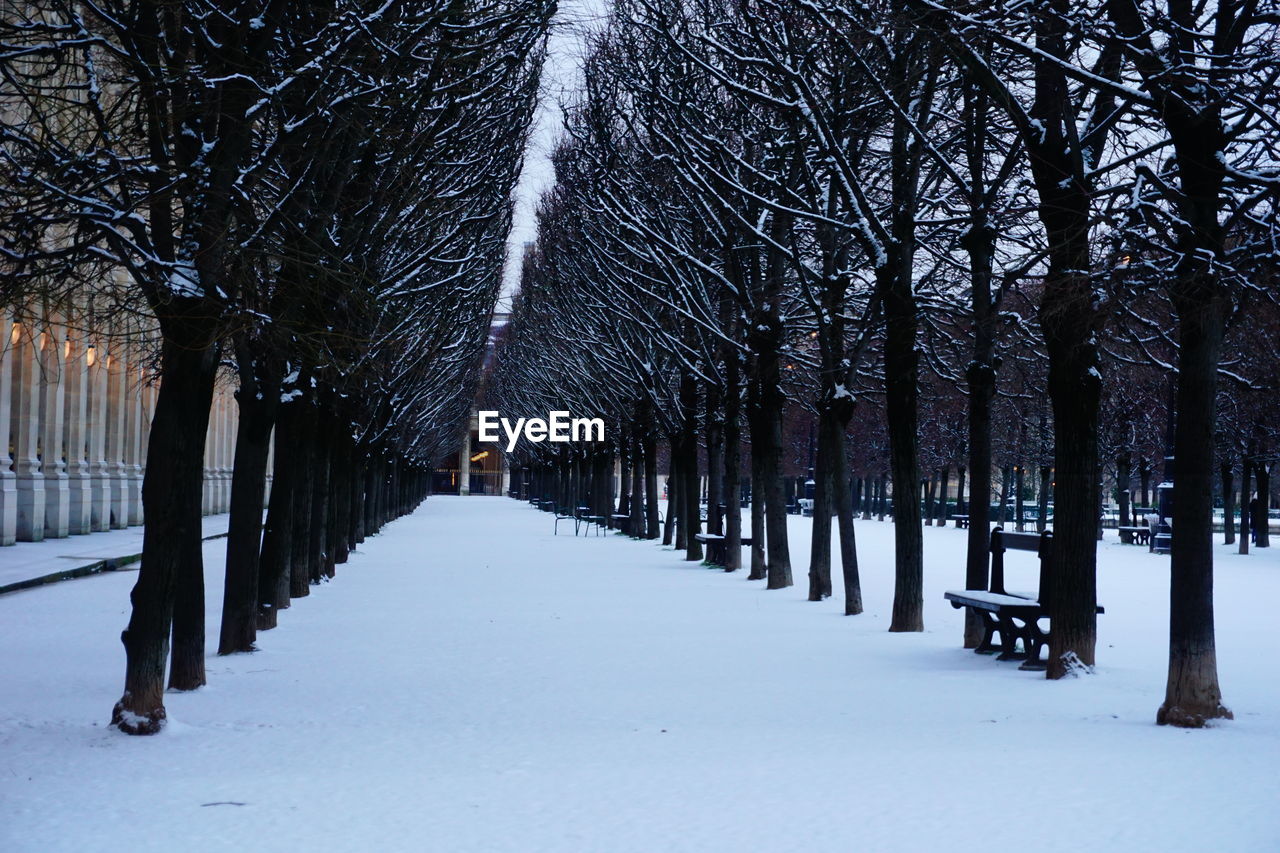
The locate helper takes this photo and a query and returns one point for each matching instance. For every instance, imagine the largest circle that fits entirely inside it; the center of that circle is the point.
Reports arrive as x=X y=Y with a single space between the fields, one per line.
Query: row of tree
x=313 y=197
x=948 y=212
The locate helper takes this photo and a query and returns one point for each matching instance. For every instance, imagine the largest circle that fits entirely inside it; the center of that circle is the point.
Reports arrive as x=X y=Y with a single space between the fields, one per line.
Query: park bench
x=1135 y=535
x=717 y=551
x=1015 y=616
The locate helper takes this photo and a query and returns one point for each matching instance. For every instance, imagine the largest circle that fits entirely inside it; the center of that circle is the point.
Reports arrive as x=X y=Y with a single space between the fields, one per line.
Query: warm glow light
x=91 y=355
x=481 y=455
x=16 y=333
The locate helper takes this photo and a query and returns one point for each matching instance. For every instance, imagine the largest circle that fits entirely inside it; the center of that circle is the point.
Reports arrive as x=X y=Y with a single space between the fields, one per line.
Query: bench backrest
x=1041 y=543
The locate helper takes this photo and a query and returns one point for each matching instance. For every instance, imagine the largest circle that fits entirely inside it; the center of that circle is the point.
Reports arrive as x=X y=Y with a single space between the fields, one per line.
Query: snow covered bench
x=717 y=552
x=1013 y=615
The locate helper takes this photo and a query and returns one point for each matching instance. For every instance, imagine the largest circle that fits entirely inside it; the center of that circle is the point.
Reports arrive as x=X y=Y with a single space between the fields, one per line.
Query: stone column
x=75 y=434
x=118 y=482
x=148 y=393
x=95 y=359
x=26 y=431
x=218 y=417
x=207 y=484
x=226 y=449
x=53 y=466
x=464 y=464
x=233 y=427
x=134 y=448
x=8 y=486
x=505 y=485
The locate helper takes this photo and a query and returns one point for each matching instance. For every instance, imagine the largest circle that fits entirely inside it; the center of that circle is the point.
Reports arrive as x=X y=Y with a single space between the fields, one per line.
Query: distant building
x=476 y=468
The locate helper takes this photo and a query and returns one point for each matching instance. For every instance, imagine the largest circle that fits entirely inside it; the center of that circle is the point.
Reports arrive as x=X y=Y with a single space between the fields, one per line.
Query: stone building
x=78 y=408
x=476 y=468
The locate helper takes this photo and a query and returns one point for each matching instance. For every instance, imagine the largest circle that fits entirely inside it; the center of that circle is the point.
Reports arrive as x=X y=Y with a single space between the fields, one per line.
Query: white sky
x=559 y=75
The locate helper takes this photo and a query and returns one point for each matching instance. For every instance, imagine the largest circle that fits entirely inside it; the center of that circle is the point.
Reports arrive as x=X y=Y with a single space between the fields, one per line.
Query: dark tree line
x=313 y=197
x=1023 y=237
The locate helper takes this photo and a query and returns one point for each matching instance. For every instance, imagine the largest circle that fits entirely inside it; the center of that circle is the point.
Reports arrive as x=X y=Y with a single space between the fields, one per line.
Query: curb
x=108 y=564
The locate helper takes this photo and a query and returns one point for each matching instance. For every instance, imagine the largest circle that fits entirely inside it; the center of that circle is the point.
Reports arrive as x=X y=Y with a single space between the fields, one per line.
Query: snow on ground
x=471 y=683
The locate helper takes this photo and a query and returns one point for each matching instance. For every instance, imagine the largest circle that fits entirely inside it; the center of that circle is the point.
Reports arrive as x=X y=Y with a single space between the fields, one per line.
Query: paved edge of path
x=106 y=564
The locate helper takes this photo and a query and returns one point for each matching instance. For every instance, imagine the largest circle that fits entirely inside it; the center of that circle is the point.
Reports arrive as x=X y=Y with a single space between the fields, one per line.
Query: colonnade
x=78 y=411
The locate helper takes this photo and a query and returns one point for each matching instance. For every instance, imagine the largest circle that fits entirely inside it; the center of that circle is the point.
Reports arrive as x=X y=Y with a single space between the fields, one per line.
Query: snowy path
x=471 y=683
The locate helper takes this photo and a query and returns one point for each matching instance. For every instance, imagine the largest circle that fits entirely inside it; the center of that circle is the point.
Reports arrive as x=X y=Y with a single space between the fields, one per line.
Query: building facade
x=78 y=411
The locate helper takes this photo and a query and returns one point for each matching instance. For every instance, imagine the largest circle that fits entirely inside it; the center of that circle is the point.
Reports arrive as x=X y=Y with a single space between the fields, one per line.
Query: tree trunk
x=1228 y=505
x=982 y=384
x=930 y=485
x=624 y=475
x=1123 y=475
x=1002 y=509
x=244 y=527
x=944 y=485
x=764 y=417
x=1192 y=695
x=883 y=492
x=845 y=509
x=1042 y=499
x=823 y=503
x=300 y=572
x=171 y=496
x=186 y=657
x=778 y=569
x=636 y=524
x=715 y=460
x=692 y=503
x=901 y=394
x=317 y=558
x=732 y=467
x=669 y=531
x=1246 y=492
x=1019 y=507
x=1262 y=516
x=759 y=562
x=277 y=549
x=651 y=485
x=1074 y=386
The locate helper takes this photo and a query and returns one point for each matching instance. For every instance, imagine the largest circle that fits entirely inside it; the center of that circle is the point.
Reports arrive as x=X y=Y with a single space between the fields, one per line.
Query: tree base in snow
x=133 y=723
x=1191 y=718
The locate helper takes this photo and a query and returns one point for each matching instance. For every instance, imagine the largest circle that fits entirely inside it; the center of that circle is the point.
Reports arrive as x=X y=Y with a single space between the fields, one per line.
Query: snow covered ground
x=471 y=683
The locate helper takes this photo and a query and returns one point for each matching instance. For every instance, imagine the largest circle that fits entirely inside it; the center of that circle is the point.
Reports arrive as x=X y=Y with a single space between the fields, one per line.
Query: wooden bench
x=1015 y=616
x=717 y=551
x=1135 y=535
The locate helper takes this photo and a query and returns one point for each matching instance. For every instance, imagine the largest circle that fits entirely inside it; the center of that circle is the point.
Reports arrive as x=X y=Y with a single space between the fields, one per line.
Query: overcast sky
x=559 y=75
